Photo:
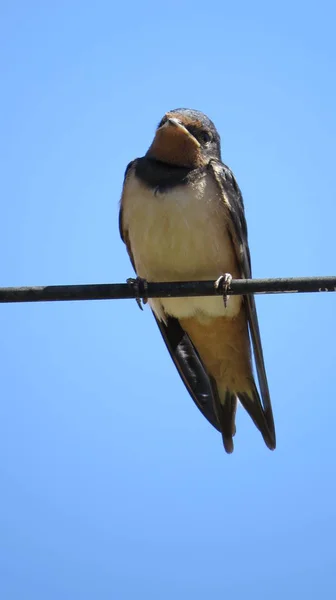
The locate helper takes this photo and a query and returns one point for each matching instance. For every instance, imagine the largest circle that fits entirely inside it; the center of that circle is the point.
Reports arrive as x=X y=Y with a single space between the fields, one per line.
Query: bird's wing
x=181 y=349
x=233 y=200
x=190 y=367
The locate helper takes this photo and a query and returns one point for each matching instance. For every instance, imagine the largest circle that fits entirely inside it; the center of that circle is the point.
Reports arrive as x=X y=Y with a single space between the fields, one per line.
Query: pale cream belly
x=178 y=236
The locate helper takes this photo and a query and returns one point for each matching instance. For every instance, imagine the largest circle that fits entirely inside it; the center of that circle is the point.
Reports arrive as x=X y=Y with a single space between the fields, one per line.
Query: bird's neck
x=159 y=175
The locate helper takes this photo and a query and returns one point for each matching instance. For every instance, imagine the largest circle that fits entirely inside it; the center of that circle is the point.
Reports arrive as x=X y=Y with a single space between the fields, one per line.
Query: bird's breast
x=177 y=235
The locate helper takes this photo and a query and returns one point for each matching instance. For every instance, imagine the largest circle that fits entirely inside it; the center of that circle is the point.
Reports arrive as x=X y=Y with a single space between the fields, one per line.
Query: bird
x=182 y=218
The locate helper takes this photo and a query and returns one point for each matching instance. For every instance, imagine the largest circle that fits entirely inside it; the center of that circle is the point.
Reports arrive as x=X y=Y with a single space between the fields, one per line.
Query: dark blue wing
x=233 y=199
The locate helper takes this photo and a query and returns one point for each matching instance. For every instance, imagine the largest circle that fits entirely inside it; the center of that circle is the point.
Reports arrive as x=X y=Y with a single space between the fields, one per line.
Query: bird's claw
x=224 y=281
x=140 y=287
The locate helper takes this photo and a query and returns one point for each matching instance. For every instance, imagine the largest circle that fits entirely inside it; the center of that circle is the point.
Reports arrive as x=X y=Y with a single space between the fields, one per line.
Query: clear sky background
x=112 y=483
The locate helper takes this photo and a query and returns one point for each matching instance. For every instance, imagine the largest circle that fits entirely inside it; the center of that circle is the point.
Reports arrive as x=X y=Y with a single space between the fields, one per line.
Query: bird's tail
x=223 y=346
x=226 y=405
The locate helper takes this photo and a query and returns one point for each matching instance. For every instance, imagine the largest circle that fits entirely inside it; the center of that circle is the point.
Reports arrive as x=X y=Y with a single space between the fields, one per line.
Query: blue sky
x=113 y=485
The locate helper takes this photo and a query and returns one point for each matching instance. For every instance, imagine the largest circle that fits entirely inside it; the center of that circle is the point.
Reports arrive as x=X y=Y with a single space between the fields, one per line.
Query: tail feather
x=225 y=407
x=223 y=347
x=252 y=404
x=226 y=413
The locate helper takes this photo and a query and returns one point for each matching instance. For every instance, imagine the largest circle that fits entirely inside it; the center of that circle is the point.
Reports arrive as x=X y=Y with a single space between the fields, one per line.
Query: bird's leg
x=224 y=281
x=140 y=287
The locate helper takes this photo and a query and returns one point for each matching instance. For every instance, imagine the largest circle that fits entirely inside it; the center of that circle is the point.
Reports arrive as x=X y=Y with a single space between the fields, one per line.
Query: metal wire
x=114 y=291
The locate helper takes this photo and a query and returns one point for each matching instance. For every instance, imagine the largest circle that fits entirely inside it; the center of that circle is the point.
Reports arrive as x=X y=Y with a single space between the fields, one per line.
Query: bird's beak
x=174 y=144
x=179 y=130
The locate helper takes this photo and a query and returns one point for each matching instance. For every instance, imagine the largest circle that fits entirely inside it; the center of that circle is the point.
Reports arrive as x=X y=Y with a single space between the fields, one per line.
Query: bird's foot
x=140 y=287
x=224 y=282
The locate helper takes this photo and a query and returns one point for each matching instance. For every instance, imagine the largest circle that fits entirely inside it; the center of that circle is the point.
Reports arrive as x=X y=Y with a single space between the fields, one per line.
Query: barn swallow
x=182 y=218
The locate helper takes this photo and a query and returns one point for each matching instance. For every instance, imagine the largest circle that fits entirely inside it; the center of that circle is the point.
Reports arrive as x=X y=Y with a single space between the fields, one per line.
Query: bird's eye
x=162 y=122
x=205 y=137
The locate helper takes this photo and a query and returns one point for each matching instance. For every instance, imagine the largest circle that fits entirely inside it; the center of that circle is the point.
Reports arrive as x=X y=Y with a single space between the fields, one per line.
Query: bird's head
x=185 y=138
